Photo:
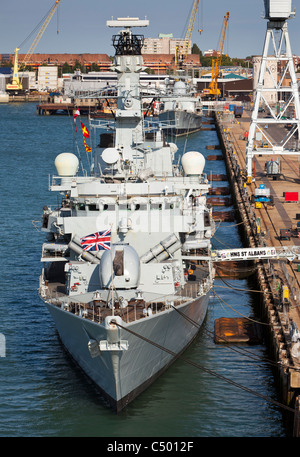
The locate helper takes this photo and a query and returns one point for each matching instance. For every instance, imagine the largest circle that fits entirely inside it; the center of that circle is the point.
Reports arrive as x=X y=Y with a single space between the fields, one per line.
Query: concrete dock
x=278 y=280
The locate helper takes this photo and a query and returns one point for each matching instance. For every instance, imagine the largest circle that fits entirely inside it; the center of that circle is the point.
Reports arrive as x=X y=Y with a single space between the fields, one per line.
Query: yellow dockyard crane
x=216 y=62
x=182 y=51
x=16 y=83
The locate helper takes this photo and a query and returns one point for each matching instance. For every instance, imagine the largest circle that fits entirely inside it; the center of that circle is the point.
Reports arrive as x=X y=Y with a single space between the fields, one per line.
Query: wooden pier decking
x=48 y=109
x=262 y=227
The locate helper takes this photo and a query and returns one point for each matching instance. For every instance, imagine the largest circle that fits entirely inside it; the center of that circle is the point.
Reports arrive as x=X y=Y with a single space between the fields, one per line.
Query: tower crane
x=182 y=51
x=216 y=62
x=16 y=83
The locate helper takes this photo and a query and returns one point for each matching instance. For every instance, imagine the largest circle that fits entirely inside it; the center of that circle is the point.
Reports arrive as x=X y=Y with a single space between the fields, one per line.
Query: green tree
x=66 y=68
x=77 y=66
x=95 y=67
x=4 y=63
x=206 y=61
x=196 y=50
x=149 y=71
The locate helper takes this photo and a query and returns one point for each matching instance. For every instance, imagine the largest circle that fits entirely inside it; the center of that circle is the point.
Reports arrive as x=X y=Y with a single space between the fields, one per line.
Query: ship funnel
x=66 y=164
x=193 y=163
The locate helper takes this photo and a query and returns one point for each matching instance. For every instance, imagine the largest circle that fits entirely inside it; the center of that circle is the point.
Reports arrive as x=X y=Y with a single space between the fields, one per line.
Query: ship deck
x=97 y=310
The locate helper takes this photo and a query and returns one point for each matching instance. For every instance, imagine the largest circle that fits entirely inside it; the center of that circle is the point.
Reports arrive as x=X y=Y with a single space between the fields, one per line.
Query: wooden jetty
x=278 y=281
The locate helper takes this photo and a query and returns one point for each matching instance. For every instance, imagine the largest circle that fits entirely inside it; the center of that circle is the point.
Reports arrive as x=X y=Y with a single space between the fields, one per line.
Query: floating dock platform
x=237 y=330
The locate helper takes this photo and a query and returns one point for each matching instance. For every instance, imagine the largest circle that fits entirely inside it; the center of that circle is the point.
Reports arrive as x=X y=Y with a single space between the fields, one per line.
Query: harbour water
x=42 y=393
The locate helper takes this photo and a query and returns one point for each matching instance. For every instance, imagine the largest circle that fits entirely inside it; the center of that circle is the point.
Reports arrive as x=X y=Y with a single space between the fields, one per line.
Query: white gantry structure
x=276 y=67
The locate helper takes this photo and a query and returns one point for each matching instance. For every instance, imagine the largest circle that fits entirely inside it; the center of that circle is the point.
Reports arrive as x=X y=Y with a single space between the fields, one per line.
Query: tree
x=66 y=68
x=77 y=66
x=95 y=67
x=196 y=50
x=206 y=61
x=149 y=71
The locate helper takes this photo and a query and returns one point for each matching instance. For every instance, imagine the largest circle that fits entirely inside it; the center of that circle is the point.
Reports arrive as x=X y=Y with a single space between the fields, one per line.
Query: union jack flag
x=96 y=241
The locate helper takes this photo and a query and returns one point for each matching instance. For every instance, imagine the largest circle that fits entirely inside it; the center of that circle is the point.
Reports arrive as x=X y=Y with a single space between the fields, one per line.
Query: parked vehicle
x=238 y=111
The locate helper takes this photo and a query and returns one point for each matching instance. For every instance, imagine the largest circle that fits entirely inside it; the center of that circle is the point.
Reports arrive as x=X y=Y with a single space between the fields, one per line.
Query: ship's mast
x=136 y=146
x=128 y=65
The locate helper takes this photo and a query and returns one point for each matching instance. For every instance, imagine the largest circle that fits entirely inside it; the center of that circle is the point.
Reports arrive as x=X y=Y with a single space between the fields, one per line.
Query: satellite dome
x=110 y=156
x=179 y=88
x=66 y=164
x=193 y=163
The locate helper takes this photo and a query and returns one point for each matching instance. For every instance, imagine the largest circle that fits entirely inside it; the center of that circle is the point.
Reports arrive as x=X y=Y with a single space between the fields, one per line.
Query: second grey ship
x=181 y=110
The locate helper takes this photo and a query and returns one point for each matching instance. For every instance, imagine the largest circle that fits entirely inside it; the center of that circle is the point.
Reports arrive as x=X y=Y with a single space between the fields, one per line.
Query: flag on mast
x=85 y=131
x=87 y=147
x=96 y=241
x=76 y=114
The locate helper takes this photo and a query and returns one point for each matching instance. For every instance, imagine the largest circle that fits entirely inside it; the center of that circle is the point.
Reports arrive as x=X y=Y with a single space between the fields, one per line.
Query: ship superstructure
x=118 y=255
x=181 y=109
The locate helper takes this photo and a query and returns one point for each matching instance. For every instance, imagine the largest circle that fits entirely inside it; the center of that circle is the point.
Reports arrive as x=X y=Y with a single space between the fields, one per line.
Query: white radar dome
x=193 y=163
x=110 y=156
x=66 y=164
x=179 y=88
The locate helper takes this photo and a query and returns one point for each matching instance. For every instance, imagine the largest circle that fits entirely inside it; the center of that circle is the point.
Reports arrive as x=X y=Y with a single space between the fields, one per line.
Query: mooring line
x=207 y=370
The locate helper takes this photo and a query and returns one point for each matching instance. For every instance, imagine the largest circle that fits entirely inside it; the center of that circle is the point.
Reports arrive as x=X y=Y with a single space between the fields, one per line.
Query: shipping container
x=291 y=196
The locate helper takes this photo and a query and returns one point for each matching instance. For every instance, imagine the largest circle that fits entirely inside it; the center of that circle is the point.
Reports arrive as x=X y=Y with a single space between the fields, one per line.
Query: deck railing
x=137 y=309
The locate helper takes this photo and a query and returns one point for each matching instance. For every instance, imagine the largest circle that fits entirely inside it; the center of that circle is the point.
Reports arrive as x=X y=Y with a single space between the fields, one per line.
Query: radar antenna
x=126 y=43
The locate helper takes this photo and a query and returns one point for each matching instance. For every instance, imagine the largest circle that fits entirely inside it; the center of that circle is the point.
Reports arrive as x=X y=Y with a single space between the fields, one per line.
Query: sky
x=82 y=26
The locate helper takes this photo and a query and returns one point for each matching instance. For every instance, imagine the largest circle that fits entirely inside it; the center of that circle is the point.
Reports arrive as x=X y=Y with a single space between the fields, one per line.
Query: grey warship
x=118 y=255
x=181 y=110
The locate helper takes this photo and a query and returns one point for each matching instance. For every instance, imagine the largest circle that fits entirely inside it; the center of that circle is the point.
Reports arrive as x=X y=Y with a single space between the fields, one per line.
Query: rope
x=232 y=225
x=236 y=289
x=242 y=351
x=224 y=244
x=239 y=289
x=240 y=314
x=207 y=370
x=261 y=323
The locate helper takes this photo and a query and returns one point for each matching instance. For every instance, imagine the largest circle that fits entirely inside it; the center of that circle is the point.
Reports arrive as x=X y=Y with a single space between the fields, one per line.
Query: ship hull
x=182 y=122
x=122 y=375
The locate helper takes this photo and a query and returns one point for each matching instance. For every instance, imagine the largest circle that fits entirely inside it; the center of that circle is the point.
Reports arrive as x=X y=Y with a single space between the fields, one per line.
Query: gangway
x=260 y=253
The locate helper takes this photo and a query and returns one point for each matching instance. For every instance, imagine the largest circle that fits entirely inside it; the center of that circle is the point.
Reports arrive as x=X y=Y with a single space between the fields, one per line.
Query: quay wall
x=273 y=313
